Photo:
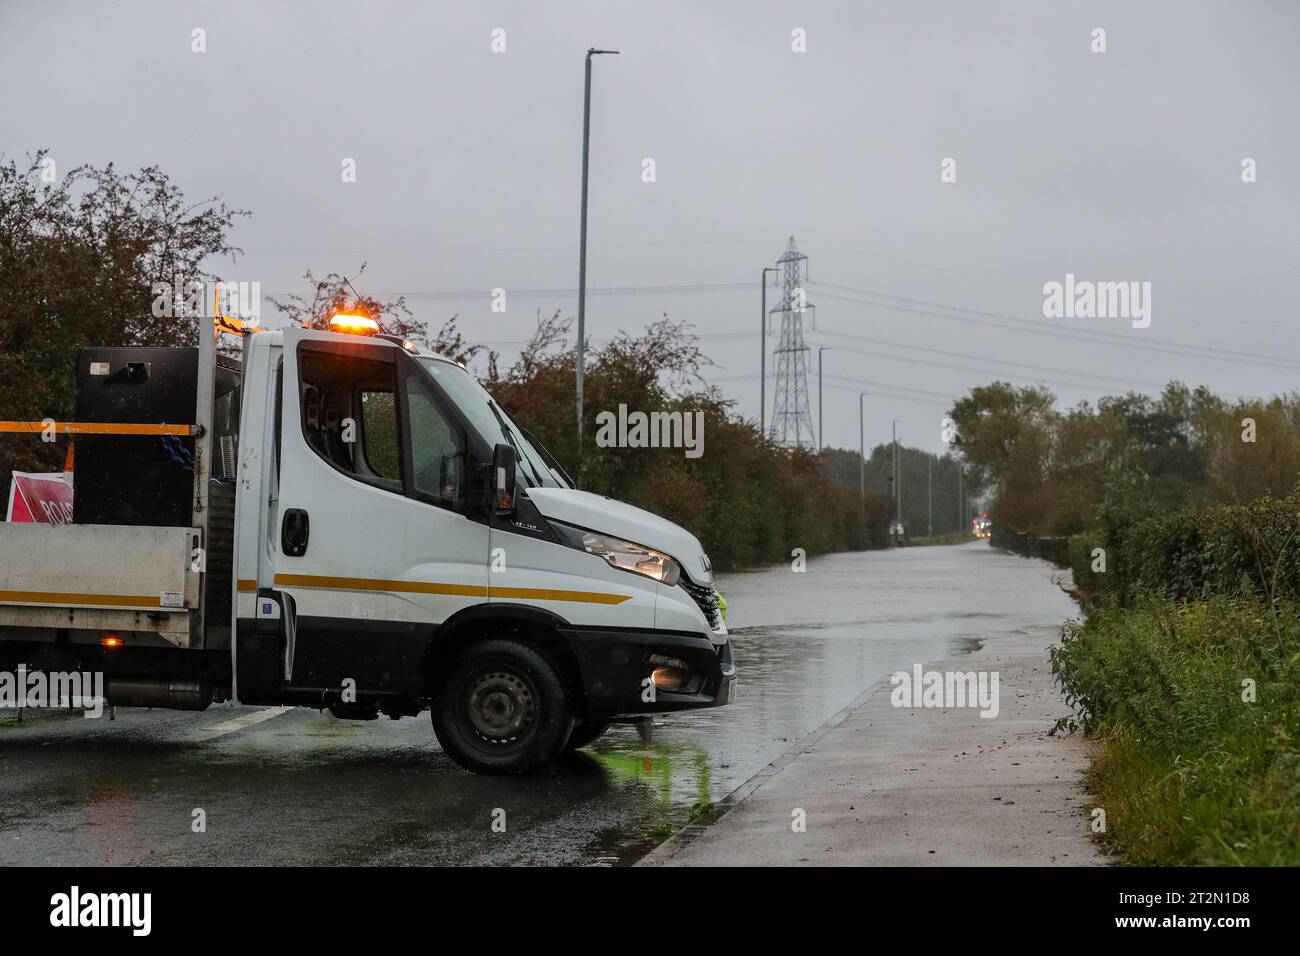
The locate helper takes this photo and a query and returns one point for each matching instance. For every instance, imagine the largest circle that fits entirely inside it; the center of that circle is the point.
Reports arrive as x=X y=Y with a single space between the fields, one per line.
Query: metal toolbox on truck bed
x=99 y=577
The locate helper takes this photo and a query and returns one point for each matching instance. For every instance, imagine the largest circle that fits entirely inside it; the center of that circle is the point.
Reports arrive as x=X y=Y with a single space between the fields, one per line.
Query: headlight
x=623 y=555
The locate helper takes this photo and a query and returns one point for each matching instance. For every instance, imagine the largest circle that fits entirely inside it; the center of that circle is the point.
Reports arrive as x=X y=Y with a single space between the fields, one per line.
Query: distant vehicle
x=982 y=527
x=377 y=537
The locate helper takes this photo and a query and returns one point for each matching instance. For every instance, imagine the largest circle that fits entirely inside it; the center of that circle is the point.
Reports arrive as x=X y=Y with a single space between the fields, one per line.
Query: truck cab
x=399 y=545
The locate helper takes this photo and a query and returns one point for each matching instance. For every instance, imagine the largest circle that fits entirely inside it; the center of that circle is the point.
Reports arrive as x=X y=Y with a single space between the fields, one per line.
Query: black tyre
x=502 y=708
x=584 y=733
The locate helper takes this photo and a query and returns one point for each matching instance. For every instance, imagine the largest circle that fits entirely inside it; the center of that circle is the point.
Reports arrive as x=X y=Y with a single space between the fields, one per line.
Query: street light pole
x=961 y=502
x=582 y=238
x=862 y=451
x=821 y=434
x=762 y=358
x=929 y=495
x=898 y=476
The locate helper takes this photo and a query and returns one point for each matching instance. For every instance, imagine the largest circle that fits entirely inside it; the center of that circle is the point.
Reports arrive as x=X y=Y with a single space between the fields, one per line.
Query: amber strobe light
x=112 y=640
x=353 y=324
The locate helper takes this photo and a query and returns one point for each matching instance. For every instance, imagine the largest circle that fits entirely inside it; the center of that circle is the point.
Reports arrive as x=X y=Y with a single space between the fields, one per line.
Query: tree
x=336 y=294
x=1005 y=435
x=749 y=501
x=79 y=256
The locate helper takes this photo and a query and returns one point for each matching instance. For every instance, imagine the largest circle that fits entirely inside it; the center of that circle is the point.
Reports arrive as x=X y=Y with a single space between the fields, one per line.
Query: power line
x=486 y=294
x=878 y=388
x=842 y=247
x=971 y=368
x=1015 y=323
x=914 y=306
x=373 y=251
x=941 y=403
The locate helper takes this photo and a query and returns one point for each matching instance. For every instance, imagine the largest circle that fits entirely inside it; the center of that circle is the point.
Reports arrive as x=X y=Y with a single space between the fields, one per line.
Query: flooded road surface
x=289 y=786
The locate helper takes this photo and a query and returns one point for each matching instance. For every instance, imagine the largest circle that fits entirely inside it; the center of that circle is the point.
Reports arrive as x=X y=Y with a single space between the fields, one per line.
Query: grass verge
x=1197 y=708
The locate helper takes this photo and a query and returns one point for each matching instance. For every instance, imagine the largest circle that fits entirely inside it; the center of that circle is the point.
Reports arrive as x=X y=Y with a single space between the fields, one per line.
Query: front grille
x=706 y=599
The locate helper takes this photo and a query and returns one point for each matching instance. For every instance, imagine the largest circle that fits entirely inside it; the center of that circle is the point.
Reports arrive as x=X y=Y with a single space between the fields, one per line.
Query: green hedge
x=1236 y=550
x=1196 y=612
x=1250 y=550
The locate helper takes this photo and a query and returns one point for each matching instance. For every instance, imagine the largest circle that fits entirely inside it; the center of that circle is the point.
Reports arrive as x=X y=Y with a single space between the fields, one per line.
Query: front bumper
x=615 y=664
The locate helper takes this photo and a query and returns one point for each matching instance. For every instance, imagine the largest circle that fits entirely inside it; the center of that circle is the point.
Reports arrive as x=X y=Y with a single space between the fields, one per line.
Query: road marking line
x=238 y=723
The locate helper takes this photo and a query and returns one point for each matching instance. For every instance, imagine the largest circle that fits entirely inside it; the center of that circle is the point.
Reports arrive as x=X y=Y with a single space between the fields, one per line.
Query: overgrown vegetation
x=1187 y=554
x=1197 y=708
x=1047 y=471
x=749 y=501
x=1188 y=672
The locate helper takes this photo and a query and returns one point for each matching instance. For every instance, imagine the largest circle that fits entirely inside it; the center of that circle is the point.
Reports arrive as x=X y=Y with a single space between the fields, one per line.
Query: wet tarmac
x=276 y=786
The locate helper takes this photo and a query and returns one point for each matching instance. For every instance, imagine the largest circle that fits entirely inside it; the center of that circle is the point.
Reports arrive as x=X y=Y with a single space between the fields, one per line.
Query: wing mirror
x=503 y=479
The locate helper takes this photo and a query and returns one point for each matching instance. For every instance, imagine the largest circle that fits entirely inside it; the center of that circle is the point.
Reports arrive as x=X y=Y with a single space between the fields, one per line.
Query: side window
x=379 y=434
x=349 y=415
x=437 y=447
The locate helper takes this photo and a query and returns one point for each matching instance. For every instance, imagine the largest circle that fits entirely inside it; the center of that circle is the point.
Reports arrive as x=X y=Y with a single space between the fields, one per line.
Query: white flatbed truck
x=384 y=540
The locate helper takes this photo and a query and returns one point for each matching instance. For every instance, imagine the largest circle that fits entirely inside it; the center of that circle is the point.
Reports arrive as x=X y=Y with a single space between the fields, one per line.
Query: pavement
x=884 y=786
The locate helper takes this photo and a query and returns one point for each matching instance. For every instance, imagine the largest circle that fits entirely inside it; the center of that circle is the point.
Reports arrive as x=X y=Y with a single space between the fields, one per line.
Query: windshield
x=491 y=421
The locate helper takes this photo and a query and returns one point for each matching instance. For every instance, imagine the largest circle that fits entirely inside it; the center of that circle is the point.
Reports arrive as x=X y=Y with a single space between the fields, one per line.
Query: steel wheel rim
x=501 y=706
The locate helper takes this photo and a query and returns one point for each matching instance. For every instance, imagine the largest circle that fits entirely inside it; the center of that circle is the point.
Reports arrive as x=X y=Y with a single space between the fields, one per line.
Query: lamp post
x=929 y=495
x=821 y=433
x=582 y=237
x=961 y=502
x=862 y=451
x=762 y=358
x=898 y=476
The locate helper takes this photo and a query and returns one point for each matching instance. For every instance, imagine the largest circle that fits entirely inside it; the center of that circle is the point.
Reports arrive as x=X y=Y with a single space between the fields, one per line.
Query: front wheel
x=502 y=708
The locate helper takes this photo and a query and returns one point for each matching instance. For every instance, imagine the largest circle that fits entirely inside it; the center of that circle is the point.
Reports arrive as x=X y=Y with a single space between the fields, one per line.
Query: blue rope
x=180 y=455
x=177 y=452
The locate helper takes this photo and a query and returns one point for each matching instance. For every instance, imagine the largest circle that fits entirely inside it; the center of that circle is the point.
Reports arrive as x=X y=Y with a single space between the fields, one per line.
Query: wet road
x=291 y=786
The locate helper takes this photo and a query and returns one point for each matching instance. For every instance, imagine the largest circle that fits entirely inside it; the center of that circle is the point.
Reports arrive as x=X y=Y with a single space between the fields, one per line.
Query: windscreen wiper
x=550 y=459
x=511 y=437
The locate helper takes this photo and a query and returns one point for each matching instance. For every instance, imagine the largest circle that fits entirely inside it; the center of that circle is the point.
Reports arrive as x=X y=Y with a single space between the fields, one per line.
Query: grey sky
x=1117 y=166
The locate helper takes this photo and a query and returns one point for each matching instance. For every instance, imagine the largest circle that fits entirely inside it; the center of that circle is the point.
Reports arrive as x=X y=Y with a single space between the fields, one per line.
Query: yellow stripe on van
x=458 y=590
x=550 y=594
x=246 y=584
x=58 y=597
x=378 y=584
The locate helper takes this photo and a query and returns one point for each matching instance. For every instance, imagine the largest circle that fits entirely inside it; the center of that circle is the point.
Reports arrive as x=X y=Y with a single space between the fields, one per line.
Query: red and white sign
x=45 y=499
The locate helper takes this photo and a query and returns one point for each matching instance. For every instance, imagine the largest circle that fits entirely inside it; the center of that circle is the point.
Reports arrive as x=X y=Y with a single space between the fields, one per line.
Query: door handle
x=295 y=528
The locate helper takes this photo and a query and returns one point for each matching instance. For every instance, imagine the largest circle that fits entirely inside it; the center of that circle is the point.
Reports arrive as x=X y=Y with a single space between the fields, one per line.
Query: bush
x=1080 y=550
x=1190 y=773
x=1250 y=550
x=749 y=501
